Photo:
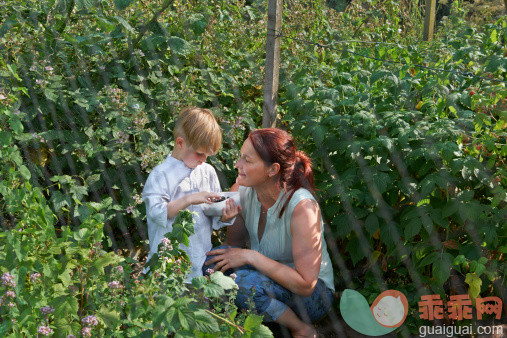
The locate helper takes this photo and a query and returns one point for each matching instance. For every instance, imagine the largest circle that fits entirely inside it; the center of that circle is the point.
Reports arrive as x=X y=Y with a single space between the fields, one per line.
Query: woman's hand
x=230 y=258
x=230 y=210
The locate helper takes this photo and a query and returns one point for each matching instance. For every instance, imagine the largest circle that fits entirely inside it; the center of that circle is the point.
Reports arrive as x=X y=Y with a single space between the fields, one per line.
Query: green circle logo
x=388 y=311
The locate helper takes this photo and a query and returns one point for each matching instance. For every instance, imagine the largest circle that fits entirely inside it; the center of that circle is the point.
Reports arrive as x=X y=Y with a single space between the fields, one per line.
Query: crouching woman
x=287 y=271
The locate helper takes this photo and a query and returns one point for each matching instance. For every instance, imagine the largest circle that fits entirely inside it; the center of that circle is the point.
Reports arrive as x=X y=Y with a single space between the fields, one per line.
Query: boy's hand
x=230 y=211
x=202 y=197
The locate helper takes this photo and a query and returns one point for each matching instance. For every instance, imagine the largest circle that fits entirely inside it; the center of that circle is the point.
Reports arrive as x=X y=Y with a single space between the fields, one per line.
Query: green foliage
x=63 y=282
x=58 y=280
x=410 y=164
x=99 y=84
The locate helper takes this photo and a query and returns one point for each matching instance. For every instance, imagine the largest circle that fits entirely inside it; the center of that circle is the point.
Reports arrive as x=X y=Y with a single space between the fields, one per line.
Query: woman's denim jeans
x=271 y=299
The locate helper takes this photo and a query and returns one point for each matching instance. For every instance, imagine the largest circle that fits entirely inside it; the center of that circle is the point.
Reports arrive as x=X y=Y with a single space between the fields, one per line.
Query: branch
x=239 y=328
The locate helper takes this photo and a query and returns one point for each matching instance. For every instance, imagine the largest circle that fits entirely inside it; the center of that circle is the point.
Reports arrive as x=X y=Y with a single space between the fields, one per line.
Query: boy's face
x=191 y=157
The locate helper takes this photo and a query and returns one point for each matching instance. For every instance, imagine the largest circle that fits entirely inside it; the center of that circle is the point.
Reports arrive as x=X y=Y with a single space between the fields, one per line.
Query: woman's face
x=252 y=171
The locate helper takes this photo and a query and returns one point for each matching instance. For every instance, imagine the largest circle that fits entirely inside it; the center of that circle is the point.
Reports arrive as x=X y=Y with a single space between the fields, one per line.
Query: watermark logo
x=459 y=307
x=387 y=312
x=390 y=309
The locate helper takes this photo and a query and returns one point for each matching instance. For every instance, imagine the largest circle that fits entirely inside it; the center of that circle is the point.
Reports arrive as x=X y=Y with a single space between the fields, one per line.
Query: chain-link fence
x=407 y=140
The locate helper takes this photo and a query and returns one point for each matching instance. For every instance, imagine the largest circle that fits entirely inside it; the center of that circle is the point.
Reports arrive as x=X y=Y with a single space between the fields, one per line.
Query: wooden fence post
x=272 y=66
x=429 y=20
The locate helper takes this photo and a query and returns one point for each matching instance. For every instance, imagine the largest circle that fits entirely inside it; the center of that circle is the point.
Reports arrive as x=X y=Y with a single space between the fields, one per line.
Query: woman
x=287 y=272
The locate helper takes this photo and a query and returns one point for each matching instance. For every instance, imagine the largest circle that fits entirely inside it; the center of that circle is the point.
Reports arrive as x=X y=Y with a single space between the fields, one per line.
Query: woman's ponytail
x=277 y=146
x=300 y=177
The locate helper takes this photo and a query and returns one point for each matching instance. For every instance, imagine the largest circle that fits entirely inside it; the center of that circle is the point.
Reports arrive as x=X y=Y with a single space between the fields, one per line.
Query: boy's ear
x=180 y=142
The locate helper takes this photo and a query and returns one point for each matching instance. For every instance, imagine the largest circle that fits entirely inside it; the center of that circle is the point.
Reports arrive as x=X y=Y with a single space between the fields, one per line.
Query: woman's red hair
x=277 y=146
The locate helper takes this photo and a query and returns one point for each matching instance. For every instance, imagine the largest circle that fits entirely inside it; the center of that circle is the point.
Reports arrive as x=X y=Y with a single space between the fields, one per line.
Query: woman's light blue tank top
x=276 y=241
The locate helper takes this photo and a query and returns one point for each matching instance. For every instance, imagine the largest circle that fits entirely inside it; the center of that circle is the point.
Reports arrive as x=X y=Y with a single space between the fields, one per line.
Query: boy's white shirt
x=169 y=181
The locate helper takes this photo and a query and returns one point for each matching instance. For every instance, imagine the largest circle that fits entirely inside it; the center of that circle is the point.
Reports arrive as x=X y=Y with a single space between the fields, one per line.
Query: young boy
x=183 y=181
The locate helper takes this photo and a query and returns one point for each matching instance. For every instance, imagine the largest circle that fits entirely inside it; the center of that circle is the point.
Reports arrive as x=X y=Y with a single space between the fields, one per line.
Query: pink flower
x=86 y=332
x=118 y=269
x=34 y=277
x=114 y=285
x=8 y=280
x=45 y=310
x=210 y=271
x=90 y=321
x=44 y=330
x=10 y=294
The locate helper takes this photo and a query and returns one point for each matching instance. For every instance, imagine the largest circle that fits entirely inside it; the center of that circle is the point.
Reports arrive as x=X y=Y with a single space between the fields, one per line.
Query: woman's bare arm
x=306 y=250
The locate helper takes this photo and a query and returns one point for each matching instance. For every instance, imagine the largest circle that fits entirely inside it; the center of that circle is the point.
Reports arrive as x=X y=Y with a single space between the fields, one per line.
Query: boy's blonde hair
x=200 y=129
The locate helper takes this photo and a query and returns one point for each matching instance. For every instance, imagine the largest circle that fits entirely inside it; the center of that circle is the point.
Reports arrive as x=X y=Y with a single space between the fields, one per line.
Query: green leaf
x=466 y=195
x=183 y=320
x=199 y=282
x=475 y=283
x=65 y=306
x=427 y=186
x=179 y=46
x=108 y=259
x=381 y=181
x=4 y=328
x=482 y=260
x=441 y=268
x=458 y=260
x=213 y=290
x=84 y=4
x=122 y=4
x=5 y=138
x=122 y=22
x=16 y=125
x=480 y=269
x=138 y=307
x=78 y=191
x=223 y=281
x=82 y=212
x=59 y=200
x=388 y=234
x=252 y=321
x=371 y=223
x=66 y=277
x=355 y=250
x=204 y=322
x=13 y=70
x=261 y=331
x=25 y=172
x=429 y=259
x=450 y=208
x=412 y=228
x=342 y=225
x=494 y=36
x=109 y=317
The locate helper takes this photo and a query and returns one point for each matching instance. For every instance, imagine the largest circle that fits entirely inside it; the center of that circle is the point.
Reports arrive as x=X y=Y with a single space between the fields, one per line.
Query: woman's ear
x=274 y=169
